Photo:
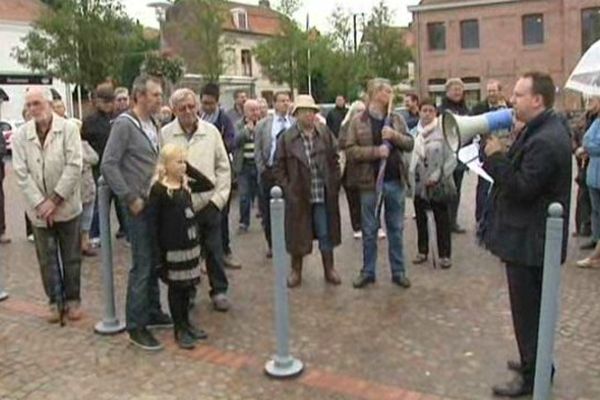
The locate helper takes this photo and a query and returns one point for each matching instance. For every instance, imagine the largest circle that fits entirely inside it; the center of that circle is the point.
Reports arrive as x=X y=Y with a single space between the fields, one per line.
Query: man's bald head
x=38 y=103
x=252 y=110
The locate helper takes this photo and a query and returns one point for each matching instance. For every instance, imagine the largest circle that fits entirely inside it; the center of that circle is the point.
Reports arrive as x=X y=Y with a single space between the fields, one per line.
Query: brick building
x=478 y=40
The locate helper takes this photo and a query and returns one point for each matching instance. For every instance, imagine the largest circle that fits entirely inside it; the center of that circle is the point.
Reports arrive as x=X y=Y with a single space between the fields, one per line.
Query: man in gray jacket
x=128 y=166
x=265 y=143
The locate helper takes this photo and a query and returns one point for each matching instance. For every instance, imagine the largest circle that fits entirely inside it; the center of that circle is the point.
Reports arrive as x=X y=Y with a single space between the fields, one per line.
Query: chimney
x=264 y=3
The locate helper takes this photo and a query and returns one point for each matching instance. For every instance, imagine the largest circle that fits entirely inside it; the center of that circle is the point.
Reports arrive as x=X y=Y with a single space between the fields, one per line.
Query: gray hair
x=44 y=92
x=376 y=84
x=180 y=95
x=140 y=85
x=121 y=90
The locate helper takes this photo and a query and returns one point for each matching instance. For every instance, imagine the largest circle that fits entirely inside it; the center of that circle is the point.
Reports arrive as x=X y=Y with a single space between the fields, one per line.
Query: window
x=436 y=33
x=469 y=34
x=240 y=18
x=590 y=27
x=246 y=63
x=533 y=29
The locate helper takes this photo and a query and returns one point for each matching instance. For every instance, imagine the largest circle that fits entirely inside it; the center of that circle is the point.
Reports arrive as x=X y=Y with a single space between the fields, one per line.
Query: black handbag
x=444 y=191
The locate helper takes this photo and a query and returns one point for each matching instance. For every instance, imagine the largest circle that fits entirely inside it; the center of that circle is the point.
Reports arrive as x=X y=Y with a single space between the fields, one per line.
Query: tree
x=199 y=25
x=384 y=45
x=142 y=42
x=163 y=66
x=78 y=41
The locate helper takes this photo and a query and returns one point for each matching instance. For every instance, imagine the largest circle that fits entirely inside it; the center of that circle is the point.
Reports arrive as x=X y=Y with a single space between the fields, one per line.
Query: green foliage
x=160 y=65
x=79 y=41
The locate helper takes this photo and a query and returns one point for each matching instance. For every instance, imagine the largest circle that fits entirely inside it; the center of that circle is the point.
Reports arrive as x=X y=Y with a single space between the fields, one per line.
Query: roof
x=21 y=10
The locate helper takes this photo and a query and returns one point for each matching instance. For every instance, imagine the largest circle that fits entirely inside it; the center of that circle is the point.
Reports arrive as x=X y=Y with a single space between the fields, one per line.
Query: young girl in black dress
x=177 y=237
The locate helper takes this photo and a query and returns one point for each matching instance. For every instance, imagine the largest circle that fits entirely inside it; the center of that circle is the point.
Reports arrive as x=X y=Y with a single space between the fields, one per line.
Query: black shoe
x=591 y=245
x=160 y=320
x=458 y=230
x=517 y=367
x=184 y=339
x=362 y=280
x=143 y=339
x=120 y=234
x=269 y=253
x=401 y=281
x=196 y=333
x=518 y=387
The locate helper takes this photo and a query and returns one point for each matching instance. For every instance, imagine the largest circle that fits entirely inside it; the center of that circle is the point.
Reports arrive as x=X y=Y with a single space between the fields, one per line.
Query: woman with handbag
x=431 y=171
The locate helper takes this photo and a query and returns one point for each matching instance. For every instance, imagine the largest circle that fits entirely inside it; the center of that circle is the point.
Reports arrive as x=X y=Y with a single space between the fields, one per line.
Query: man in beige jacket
x=47 y=164
x=206 y=152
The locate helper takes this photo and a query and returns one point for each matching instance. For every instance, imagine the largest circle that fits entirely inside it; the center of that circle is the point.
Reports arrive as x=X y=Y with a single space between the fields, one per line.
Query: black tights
x=179 y=302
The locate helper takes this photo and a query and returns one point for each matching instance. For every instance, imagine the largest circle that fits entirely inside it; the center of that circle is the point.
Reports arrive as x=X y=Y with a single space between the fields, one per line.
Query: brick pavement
x=446 y=337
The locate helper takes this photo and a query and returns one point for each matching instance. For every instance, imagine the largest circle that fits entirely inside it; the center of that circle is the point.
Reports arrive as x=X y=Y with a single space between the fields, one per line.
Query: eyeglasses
x=36 y=103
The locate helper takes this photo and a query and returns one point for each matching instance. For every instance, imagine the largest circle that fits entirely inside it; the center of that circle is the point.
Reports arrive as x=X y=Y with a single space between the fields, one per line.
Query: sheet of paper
x=469 y=155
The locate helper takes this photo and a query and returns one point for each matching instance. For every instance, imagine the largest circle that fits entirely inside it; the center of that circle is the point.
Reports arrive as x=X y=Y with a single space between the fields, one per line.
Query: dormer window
x=240 y=19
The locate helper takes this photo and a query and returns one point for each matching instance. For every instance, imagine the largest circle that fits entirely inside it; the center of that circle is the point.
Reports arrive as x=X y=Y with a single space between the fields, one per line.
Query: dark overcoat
x=292 y=173
x=535 y=173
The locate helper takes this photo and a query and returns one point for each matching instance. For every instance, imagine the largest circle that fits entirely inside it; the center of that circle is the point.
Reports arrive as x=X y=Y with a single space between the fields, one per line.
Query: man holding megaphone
x=529 y=176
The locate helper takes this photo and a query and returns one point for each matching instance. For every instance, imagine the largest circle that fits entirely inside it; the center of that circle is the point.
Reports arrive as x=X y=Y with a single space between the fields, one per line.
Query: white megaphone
x=460 y=130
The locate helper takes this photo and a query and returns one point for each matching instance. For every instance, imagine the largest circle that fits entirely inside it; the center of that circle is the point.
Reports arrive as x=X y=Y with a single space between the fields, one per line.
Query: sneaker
x=362 y=281
x=95 y=243
x=401 y=281
x=53 y=314
x=242 y=229
x=160 y=320
x=231 y=262
x=221 y=302
x=31 y=238
x=143 y=339
x=381 y=234
x=120 y=234
x=196 y=333
x=185 y=340
x=588 y=263
x=445 y=263
x=357 y=235
x=420 y=259
x=74 y=312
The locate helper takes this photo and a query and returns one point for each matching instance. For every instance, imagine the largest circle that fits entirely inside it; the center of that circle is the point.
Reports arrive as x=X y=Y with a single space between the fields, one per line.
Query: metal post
x=282 y=365
x=110 y=323
x=550 y=299
x=3 y=294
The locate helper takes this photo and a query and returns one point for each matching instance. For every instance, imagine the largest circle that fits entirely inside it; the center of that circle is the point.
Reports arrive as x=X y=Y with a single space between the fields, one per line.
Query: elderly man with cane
x=47 y=164
x=532 y=174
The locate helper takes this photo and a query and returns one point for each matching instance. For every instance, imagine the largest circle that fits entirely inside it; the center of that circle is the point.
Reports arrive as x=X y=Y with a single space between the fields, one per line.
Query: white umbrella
x=585 y=78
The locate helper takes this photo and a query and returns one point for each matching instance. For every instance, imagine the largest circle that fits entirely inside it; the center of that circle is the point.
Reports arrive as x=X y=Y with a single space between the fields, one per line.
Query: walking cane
x=382 y=164
x=58 y=278
x=432 y=233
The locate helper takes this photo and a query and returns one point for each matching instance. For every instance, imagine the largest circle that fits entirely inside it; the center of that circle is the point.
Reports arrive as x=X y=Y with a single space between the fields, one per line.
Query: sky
x=319 y=10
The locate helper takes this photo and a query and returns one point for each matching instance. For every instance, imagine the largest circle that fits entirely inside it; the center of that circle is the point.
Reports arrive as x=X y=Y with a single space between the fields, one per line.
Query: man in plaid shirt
x=307 y=168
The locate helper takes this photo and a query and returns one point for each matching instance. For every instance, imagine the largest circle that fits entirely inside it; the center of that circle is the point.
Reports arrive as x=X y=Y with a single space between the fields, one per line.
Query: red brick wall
x=501 y=54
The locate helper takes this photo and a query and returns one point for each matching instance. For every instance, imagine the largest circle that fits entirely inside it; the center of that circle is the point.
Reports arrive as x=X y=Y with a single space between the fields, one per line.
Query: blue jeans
x=143 y=296
x=393 y=201
x=248 y=187
x=595 y=200
x=321 y=227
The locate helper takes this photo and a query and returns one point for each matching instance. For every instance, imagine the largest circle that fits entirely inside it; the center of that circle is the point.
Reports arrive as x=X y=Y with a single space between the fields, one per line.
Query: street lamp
x=354 y=17
x=161 y=7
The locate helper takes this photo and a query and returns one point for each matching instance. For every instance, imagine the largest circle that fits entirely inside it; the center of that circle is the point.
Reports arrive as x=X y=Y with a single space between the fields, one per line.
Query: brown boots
x=331 y=275
x=295 y=278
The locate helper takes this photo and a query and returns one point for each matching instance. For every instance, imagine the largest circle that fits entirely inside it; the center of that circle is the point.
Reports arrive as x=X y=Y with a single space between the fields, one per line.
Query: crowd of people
x=171 y=172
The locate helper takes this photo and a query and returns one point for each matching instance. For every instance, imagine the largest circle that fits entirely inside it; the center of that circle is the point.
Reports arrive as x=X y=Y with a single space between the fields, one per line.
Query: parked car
x=7 y=130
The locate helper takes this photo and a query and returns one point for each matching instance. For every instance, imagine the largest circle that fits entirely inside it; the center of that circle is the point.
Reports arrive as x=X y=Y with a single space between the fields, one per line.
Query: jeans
x=209 y=228
x=248 y=187
x=321 y=227
x=225 y=240
x=393 y=200
x=595 y=200
x=143 y=295
x=87 y=214
x=442 y=226
x=67 y=236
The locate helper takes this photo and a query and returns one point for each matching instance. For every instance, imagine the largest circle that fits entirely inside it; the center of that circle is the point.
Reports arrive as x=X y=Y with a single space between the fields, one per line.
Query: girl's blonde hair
x=167 y=153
